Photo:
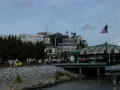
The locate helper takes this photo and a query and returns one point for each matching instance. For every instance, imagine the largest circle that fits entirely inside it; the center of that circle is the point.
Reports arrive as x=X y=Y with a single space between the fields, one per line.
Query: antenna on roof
x=73 y=33
x=66 y=32
x=46 y=28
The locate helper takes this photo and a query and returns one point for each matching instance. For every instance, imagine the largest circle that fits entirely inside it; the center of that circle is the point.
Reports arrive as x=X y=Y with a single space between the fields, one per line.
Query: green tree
x=12 y=47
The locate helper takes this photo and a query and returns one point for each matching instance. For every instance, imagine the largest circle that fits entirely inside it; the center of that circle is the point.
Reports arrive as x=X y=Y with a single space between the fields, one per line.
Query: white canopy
x=100 y=49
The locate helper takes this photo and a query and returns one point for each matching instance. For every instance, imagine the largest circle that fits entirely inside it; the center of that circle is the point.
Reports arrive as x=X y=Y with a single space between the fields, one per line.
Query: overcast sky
x=85 y=17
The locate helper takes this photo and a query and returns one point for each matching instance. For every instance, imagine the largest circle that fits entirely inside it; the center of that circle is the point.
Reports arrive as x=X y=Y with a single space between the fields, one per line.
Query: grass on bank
x=18 y=80
x=62 y=74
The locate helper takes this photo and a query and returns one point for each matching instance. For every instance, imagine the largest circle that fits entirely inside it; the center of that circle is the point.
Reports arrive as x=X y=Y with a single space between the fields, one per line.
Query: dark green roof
x=99 y=49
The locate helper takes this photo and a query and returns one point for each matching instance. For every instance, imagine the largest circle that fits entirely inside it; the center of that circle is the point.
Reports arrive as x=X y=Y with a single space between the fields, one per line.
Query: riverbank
x=84 y=84
x=24 y=78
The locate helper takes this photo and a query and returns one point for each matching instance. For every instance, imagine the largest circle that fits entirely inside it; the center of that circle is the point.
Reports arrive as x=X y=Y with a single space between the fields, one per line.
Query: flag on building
x=105 y=29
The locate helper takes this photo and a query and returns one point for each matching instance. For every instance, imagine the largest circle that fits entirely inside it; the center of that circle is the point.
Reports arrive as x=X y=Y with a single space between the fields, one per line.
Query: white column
x=80 y=71
x=114 y=58
x=98 y=71
x=109 y=57
x=114 y=82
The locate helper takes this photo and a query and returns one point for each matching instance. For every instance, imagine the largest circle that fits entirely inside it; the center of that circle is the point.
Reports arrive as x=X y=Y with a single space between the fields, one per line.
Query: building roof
x=56 y=35
x=100 y=49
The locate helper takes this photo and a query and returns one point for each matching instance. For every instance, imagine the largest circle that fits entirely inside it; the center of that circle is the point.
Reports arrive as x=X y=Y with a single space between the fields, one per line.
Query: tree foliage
x=12 y=47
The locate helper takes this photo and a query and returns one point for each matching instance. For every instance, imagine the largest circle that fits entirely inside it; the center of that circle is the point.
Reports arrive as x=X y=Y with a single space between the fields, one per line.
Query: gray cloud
x=88 y=27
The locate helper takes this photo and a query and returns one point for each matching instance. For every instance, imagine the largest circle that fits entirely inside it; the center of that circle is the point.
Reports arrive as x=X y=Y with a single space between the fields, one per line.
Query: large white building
x=58 y=43
x=30 y=37
x=33 y=37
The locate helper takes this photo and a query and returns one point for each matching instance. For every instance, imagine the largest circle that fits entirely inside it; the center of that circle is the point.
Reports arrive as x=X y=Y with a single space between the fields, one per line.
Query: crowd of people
x=14 y=63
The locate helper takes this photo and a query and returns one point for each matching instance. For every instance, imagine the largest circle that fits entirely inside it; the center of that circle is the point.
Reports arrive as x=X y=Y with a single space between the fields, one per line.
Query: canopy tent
x=100 y=53
x=100 y=49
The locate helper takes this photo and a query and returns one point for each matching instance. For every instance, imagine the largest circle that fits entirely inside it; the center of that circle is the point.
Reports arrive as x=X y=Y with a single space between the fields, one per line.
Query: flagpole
x=108 y=47
x=108 y=37
x=105 y=30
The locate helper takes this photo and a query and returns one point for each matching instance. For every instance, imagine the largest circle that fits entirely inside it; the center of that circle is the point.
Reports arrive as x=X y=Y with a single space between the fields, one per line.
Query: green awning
x=99 y=49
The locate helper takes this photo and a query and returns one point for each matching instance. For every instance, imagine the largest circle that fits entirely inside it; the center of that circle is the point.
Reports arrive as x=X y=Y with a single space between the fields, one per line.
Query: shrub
x=18 y=79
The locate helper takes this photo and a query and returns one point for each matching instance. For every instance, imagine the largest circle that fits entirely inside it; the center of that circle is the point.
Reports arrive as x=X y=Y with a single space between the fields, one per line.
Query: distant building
x=39 y=37
x=30 y=37
x=58 y=43
x=72 y=43
x=54 y=39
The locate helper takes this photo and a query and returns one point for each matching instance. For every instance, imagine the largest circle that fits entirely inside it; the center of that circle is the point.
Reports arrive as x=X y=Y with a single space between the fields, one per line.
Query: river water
x=85 y=84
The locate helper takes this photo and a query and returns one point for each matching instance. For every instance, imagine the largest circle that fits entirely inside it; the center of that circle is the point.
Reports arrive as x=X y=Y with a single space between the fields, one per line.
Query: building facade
x=72 y=43
x=57 y=44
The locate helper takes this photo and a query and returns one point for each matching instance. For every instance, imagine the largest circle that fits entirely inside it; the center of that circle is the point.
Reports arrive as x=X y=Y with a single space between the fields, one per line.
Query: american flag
x=105 y=29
